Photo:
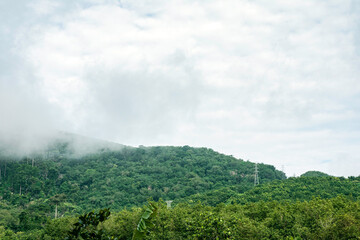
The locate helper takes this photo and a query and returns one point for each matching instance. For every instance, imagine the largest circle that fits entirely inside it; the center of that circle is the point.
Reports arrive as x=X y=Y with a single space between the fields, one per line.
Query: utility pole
x=56 y=211
x=168 y=203
x=256 y=178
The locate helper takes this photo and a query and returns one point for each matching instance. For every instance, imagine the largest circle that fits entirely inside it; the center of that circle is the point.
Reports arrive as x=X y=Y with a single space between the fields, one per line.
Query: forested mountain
x=291 y=189
x=214 y=194
x=57 y=182
x=314 y=174
x=127 y=177
x=303 y=188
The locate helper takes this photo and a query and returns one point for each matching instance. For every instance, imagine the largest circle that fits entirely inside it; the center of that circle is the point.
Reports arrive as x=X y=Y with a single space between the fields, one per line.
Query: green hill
x=315 y=174
x=36 y=184
x=116 y=176
x=303 y=188
x=291 y=189
x=127 y=177
x=61 y=181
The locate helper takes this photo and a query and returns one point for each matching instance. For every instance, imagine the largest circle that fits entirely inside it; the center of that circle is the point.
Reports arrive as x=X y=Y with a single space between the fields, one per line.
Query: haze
x=274 y=82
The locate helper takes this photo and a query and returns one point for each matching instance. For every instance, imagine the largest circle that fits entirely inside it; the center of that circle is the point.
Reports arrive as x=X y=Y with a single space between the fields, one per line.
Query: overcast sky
x=275 y=81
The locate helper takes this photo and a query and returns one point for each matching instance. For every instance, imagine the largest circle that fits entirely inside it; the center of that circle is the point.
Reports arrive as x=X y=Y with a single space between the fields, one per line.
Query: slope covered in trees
x=303 y=188
x=41 y=195
x=291 y=189
x=314 y=174
x=36 y=187
x=128 y=177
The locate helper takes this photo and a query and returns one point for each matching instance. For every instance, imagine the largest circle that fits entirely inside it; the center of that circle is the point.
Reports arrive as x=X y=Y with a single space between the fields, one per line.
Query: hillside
x=52 y=145
x=314 y=174
x=57 y=182
x=303 y=188
x=128 y=177
x=41 y=193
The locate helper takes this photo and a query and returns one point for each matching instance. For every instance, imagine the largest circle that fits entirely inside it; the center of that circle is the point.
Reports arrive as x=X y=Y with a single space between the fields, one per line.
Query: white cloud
x=276 y=82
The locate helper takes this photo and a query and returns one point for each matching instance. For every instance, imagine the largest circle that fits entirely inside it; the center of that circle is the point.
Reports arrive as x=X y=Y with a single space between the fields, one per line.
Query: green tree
x=87 y=226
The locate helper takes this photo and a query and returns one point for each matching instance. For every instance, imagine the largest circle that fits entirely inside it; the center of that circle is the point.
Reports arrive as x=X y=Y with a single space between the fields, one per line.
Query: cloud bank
x=270 y=82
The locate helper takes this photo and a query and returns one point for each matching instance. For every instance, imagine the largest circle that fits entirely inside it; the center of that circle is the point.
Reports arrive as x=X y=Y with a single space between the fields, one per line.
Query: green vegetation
x=87 y=226
x=55 y=184
x=125 y=178
x=315 y=174
x=145 y=222
x=303 y=188
x=291 y=189
x=336 y=218
x=55 y=195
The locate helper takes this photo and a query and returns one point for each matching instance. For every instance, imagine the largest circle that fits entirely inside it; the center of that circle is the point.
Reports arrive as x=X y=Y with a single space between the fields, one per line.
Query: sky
x=275 y=82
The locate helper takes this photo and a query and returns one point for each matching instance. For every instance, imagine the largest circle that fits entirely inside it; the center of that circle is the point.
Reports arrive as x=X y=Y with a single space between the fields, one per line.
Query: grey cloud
x=144 y=103
x=25 y=112
x=254 y=79
x=25 y=116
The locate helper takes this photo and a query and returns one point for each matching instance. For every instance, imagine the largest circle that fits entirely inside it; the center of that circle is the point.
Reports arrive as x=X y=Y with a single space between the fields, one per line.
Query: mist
x=272 y=83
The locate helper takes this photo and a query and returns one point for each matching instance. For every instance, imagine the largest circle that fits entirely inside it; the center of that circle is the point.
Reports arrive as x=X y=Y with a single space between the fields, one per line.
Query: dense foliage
x=87 y=226
x=336 y=218
x=302 y=188
x=42 y=195
x=291 y=189
x=314 y=174
x=55 y=184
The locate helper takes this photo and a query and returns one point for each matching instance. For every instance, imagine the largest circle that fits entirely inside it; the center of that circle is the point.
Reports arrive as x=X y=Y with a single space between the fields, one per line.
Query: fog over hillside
x=72 y=145
x=274 y=82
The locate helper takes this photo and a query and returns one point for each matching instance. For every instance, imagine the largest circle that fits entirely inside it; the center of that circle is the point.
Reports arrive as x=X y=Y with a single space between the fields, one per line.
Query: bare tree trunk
x=32 y=163
x=20 y=190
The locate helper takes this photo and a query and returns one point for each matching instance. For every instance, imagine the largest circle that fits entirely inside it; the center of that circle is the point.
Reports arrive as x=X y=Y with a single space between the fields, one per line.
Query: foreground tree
x=87 y=226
